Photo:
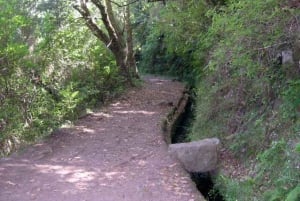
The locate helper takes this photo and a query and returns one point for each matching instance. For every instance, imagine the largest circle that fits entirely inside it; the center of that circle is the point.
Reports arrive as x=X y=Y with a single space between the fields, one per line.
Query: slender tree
x=115 y=32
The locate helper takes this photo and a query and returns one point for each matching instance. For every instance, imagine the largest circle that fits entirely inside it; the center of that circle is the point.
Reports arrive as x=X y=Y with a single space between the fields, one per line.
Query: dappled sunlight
x=80 y=177
x=135 y=112
x=13 y=165
x=88 y=130
x=142 y=162
x=102 y=114
x=114 y=175
x=11 y=183
x=116 y=104
x=119 y=105
x=74 y=173
x=118 y=108
x=159 y=83
x=158 y=80
x=84 y=129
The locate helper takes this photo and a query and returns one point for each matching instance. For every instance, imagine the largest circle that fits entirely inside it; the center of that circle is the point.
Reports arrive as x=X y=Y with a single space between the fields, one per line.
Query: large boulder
x=197 y=156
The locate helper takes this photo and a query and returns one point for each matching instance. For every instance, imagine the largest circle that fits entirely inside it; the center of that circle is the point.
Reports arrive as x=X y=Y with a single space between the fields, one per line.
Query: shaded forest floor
x=114 y=154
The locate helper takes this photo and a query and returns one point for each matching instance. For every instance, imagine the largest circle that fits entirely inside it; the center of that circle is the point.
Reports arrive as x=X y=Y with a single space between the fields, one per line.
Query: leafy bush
x=50 y=71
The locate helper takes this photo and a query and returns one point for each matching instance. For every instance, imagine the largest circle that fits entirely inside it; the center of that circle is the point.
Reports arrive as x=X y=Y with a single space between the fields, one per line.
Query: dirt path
x=115 y=154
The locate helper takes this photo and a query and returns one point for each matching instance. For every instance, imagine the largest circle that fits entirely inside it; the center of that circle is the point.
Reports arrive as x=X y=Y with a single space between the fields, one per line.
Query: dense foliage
x=51 y=68
x=244 y=58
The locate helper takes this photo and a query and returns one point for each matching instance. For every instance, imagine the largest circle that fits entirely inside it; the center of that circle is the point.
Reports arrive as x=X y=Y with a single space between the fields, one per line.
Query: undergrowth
x=250 y=100
x=67 y=71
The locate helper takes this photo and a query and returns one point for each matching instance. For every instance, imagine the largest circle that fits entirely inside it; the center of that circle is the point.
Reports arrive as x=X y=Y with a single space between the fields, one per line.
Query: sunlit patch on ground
x=135 y=112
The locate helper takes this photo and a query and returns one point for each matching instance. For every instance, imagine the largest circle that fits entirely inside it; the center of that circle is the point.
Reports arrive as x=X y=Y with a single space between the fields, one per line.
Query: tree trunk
x=119 y=42
x=120 y=57
x=130 y=59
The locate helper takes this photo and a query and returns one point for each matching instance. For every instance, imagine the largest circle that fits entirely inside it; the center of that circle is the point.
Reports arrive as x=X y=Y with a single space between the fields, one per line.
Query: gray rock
x=287 y=57
x=197 y=156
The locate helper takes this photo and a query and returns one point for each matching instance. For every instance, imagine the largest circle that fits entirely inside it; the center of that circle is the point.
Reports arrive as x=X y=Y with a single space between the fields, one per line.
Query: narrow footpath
x=114 y=154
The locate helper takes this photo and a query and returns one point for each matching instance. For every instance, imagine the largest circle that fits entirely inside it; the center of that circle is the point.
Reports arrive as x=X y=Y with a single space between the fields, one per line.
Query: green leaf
x=298 y=147
x=74 y=94
x=294 y=195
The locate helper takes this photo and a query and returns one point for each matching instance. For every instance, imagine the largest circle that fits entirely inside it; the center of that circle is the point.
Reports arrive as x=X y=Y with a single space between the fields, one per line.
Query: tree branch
x=113 y=21
x=106 y=20
x=123 y=5
x=85 y=13
x=164 y=1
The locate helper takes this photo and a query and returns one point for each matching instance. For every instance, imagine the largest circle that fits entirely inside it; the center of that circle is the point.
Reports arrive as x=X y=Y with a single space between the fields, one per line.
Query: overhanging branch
x=124 y=5
x=86 y=15
x=106 y=20
x=150 y=1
